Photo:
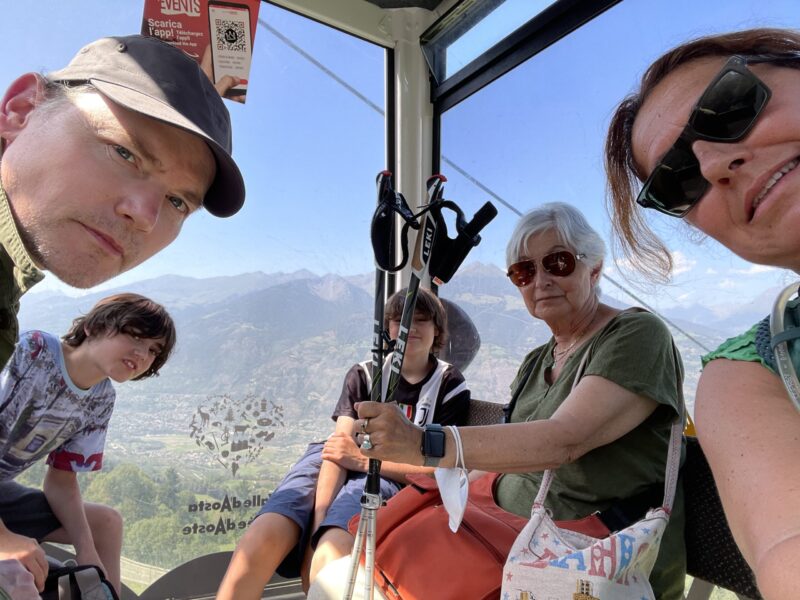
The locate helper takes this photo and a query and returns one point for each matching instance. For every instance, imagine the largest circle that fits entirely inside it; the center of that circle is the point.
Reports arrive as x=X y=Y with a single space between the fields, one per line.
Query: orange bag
x=417 y=557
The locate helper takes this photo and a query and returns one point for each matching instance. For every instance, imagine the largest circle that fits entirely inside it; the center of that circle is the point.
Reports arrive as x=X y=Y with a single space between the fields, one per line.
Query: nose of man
x=142 y=205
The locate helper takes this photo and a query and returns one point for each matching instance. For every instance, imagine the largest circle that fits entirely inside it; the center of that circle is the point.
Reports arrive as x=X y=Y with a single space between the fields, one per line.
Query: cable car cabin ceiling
x=428 y=4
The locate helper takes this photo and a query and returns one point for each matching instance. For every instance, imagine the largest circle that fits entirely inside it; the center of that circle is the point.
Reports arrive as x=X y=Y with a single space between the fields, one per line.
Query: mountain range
x=290 y=337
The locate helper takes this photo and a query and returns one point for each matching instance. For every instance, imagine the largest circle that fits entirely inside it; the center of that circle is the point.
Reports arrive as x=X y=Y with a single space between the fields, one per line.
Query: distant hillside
x=290 y=337
x=731 y=318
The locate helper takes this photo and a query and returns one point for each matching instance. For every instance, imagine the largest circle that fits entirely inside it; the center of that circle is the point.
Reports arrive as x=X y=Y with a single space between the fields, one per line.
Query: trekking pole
x=431 y=238
x=419 y=265
x=420 y=262
x=382 y=233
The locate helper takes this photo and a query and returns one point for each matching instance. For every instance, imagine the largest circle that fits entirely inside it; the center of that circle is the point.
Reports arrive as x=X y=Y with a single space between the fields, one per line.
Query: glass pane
x=272 y=305
x=536 y=135
x=494 y=27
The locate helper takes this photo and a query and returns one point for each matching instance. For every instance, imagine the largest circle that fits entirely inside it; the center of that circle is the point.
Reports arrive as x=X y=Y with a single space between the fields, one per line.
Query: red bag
x=417 y=557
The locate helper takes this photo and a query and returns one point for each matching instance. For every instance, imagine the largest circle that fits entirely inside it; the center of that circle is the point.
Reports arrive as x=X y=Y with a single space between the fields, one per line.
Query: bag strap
x=673 y=451
x=781 y=335
x=64 y=588
x=675 y=439
x=673 y=462
x=88 y=580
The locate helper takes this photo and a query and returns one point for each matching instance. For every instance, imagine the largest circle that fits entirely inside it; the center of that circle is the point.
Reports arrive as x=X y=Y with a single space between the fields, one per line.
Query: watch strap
x=431 y=461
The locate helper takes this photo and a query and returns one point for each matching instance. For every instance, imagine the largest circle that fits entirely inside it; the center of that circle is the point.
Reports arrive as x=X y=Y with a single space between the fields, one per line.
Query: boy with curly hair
x=56 y=400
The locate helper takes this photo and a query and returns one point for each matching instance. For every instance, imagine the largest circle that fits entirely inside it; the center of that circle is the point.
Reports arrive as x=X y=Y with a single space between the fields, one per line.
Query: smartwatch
x=432 y=449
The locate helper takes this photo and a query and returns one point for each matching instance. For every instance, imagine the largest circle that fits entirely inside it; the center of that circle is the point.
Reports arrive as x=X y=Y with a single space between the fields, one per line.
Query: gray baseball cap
x=152 y=77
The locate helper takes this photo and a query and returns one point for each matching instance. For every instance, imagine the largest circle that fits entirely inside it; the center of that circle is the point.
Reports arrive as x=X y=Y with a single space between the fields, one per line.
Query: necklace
x=559 y=354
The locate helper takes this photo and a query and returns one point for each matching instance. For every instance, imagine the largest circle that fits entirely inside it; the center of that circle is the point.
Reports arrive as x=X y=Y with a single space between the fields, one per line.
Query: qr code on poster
x=230 y=35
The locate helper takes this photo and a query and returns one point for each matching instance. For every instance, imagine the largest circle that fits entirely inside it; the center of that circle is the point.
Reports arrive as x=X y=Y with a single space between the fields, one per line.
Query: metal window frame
x=546 y=28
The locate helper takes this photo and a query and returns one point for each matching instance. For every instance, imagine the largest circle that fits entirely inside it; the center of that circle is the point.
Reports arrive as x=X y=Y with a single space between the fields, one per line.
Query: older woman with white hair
x=608 y=435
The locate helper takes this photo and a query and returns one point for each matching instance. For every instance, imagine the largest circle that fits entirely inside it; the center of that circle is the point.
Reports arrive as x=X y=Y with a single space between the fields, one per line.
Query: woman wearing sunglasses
x=713 y=135
x=608 y=436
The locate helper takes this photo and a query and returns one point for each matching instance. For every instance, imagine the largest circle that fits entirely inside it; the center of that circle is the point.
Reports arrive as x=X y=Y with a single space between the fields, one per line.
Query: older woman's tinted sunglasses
x=725 y=112
x=560 y=264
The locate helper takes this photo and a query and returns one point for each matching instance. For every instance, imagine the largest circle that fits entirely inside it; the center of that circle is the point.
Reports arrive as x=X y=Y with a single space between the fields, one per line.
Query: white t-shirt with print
x=44 y=414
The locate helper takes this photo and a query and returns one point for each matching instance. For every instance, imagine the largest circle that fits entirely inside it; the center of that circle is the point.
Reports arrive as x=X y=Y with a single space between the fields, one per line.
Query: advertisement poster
x=219 y=35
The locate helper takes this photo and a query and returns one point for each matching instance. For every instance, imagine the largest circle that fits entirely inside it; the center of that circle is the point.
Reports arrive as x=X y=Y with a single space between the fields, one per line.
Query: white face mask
x=454 y=485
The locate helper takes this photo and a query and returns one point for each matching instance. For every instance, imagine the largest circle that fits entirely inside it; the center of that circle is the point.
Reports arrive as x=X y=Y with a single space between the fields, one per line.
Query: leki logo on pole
x=427 y=242
x=422 y=250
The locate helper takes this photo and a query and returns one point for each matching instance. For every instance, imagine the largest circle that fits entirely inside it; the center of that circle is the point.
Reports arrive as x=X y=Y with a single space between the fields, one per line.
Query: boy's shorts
x=294 y=499
x=26 y=511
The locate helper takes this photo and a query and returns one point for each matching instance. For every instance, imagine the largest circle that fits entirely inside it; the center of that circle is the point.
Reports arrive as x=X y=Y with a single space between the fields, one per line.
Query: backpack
x=85 y=582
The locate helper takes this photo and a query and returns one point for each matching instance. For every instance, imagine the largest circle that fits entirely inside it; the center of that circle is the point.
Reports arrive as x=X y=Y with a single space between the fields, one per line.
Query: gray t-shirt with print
x=44 y=414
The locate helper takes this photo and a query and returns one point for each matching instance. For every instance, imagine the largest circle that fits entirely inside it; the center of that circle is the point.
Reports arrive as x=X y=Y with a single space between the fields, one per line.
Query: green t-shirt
x=755 y=344
x=634 y=350
x=742 y=347
x=17 y=275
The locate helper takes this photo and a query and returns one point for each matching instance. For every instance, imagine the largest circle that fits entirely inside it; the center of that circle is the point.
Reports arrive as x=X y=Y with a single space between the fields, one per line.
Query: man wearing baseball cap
x=101 y=164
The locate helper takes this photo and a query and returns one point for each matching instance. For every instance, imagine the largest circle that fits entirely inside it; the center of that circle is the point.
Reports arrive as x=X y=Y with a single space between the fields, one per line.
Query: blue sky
x=309 y=150
x=541 y=130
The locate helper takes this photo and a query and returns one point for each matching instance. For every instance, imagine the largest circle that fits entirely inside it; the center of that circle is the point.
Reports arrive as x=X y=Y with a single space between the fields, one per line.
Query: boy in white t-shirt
x=304 y=524
x=56 y=400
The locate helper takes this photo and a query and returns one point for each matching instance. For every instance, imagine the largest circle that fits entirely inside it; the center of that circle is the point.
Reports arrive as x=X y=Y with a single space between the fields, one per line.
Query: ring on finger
x=364 y=425
x=366 y=443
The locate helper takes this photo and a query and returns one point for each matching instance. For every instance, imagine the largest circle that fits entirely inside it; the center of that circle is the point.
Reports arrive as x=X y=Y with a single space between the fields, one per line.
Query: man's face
x=97 y=189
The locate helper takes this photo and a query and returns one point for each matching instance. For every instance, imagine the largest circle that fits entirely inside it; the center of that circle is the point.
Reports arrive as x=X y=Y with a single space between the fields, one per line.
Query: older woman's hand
x=392 y=436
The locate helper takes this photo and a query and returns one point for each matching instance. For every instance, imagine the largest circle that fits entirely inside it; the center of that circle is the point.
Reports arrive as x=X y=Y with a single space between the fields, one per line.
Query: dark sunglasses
x=725 y=112
x=560 y=264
